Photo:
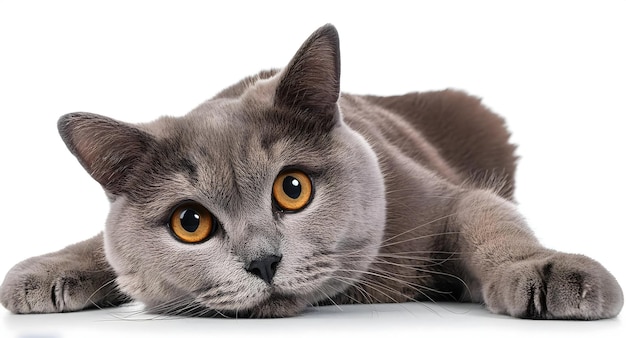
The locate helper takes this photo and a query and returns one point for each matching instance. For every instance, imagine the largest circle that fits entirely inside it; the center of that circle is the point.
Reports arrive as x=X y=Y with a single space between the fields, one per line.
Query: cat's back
x=447 y=131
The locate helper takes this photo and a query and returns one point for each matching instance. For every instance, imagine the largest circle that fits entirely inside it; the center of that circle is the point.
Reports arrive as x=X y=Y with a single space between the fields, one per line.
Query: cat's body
x=301 y=196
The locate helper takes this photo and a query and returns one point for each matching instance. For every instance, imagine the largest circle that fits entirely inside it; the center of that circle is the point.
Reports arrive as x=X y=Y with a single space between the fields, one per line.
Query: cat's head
x=259 y=202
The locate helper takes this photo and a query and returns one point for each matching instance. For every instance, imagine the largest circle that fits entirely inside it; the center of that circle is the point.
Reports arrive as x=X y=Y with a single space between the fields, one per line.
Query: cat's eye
x=292 y=190
x=192 y=223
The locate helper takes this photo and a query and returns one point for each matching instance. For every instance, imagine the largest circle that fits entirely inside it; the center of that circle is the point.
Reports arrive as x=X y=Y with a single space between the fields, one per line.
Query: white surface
x=555 y=70
x=386 y=320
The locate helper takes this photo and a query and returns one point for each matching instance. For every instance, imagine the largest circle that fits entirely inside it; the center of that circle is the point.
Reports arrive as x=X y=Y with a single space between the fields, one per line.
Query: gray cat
x=280 y=193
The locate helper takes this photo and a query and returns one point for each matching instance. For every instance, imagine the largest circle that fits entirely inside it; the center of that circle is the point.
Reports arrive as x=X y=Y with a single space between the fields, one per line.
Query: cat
x=281 y=193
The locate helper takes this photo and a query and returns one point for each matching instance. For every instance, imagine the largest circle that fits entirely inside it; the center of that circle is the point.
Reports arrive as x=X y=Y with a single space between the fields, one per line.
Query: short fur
x=412 y=201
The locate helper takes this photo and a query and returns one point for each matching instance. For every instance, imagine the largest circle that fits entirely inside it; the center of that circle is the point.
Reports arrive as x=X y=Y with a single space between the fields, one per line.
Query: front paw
x=561 y=286
x=44 y=285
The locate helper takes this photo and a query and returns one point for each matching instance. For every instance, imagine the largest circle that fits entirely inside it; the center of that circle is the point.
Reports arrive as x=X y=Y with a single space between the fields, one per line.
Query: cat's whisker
x=131 y=316
x=420 y=193
x=366 y=295
x=417 y=227
x=411 y=253
x=428 y=272
x=170 y=304
x=424 y=262
x=190 y=309
x=360 y=252
x=90 y=298
x=376 y=286
x=415 y=287
x=418 y=238
x=430 y=260
x=331 y=300
x=358 y=288
x=342 y=292
x=195 y=309
x=174 y=307
x=412 y=284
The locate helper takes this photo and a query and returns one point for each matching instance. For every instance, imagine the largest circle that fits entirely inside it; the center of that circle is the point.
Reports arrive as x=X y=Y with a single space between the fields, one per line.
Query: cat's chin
x=276 y=306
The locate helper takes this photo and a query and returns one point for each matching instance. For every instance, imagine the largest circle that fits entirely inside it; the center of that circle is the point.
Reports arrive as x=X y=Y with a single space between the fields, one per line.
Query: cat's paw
x=46 y=284
x=561 y=286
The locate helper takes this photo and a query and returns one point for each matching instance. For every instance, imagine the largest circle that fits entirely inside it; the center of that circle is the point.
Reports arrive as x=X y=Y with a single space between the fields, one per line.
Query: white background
x=555 y=70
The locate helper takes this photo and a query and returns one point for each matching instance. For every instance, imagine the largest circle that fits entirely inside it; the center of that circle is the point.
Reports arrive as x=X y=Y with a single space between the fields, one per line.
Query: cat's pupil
x=190 y=220
x=292 y=187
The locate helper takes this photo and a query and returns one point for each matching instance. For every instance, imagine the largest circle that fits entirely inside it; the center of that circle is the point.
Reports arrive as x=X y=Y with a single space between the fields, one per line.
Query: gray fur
x=412 y=202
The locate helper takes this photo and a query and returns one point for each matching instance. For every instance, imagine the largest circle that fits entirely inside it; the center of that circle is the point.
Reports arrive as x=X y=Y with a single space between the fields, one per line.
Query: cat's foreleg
x=521 y=278
x=71 y=279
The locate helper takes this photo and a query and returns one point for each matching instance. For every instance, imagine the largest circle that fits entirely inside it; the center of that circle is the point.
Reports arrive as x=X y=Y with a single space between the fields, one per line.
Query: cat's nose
x=265 y=267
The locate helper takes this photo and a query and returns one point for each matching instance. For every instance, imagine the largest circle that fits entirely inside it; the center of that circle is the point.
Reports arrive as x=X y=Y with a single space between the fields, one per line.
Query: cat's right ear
x=108 y=149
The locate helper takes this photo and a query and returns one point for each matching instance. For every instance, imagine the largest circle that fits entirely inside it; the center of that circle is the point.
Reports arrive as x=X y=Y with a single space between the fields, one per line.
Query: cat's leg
x=521 y=278
x=71 y=279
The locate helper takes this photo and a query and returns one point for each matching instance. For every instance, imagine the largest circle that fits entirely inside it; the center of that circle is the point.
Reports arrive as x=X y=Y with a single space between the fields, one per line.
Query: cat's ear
x=108 y=149
x=310 y=83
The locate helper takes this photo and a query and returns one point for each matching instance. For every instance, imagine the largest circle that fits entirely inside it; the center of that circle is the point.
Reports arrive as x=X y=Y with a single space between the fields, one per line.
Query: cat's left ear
x=109 y=150
x=310 y=83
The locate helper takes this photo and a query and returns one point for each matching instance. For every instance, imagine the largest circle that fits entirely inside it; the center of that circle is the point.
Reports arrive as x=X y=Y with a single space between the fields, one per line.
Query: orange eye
x=192 y=223
x=292 y=190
